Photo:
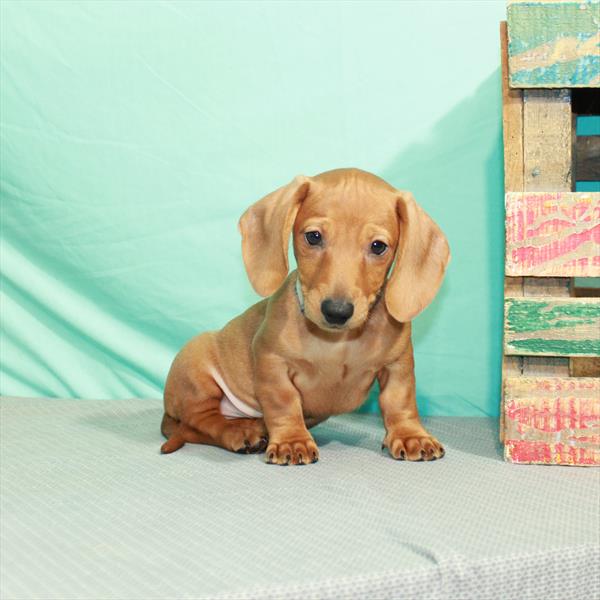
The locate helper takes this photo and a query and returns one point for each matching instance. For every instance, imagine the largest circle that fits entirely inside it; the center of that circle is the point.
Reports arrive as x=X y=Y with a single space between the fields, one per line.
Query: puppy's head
x=349 y=227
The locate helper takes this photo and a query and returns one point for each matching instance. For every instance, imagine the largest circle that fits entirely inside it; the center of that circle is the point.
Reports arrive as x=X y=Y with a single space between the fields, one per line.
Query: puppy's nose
x=336 y=312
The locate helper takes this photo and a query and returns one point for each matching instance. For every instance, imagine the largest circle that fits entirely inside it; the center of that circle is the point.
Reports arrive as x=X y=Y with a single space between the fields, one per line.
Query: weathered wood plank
x=589 y=366
x=585 y=367
x=552 y=326
x=547 y=144
x=557 y=287
x=512 y=123
x=587 y=158
x=553 y=43
x=513 y=286
x=512 y=131
x=547 y=286
x=547 y=130
x=546 y=366
x=553 y=234
x=552 y=420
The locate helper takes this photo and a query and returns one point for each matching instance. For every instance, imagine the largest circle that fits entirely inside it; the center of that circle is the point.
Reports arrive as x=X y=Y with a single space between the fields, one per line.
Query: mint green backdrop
x=135 y=133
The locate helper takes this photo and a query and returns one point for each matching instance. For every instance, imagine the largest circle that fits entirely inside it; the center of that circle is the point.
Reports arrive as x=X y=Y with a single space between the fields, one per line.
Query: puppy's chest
x=334 y=381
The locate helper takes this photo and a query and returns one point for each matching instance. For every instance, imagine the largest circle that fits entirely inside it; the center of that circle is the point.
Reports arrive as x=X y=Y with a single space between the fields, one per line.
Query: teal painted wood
x=552 y=326
x=553 y=43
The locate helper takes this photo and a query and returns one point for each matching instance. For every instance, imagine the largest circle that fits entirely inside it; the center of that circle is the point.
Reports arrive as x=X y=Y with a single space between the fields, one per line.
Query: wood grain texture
x=552 y=420
x=552 y=326
x=556 y=366
x=557 y=287
x=546 y=366
x=553 y=234
x=512 y=123
x=547 y=132
x=547 y=286
x=547 y=143
x=554 y=44
x=587 y=158
x=512 y=132
x=589 y=366
x=585 y=367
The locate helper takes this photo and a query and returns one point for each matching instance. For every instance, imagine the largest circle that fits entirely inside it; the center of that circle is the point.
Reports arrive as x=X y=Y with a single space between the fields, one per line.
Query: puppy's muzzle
x=337 y=312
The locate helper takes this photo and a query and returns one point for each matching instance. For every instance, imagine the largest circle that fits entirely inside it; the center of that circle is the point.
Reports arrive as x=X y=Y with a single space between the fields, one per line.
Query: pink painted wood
x=553 y=234
x=553 y=420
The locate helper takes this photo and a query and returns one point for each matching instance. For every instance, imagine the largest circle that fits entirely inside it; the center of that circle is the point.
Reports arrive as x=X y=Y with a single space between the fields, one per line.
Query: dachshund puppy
x=315 y=345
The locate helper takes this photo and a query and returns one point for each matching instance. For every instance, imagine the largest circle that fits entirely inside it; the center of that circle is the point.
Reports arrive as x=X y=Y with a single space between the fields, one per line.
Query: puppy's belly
x=231 y=406
x=236 y=409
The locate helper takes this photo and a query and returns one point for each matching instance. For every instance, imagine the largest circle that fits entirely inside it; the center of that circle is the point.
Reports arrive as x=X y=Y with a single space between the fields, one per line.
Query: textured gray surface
x=91 y=510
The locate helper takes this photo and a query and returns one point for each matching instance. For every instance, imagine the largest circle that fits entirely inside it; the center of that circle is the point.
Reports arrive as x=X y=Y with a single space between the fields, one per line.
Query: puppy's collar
x=299 y=295
x=377 y=297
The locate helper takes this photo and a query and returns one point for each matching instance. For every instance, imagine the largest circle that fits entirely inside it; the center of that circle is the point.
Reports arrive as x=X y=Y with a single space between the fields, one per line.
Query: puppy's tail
x=171 y=430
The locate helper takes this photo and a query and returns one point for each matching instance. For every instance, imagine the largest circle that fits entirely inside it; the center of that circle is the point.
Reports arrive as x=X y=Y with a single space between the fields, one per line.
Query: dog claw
x=292 y=453
x=248 y=448
x=423 y=448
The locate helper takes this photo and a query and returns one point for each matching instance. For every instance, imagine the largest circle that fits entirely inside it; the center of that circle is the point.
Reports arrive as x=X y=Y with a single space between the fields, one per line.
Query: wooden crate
x=552 y=420
x=553 y=234
x=546 y=326
x=553 y=43
x=551 y=371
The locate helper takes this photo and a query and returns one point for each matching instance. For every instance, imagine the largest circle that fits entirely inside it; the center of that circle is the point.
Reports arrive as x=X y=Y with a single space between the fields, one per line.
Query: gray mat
x=91 y=510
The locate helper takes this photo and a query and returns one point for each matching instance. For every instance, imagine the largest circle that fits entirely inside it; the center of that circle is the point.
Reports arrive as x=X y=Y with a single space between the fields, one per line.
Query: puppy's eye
x=314 y=238
x=378 y=247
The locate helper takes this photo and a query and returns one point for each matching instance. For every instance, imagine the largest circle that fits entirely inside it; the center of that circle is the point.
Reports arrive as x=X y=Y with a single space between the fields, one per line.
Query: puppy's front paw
x=412 y=445
x=292 y=451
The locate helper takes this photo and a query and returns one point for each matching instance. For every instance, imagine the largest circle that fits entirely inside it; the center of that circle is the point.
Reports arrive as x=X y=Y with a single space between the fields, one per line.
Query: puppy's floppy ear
x=265 y=229
x=421 y=261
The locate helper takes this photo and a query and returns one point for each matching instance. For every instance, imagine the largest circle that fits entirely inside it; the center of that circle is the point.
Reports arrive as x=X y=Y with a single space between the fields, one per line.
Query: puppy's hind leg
x=208 y=426
x=245 y=436
x=178 y=434
x=192 y=405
